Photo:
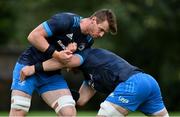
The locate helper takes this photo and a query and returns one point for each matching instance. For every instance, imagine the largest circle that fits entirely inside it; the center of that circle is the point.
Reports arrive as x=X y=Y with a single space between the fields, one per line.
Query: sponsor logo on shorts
x=123 y=100
x=22 y=83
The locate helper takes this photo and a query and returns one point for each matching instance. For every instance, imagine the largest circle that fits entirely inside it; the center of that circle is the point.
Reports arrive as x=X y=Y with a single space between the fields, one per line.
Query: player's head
x=100 y=22
x=106 y=15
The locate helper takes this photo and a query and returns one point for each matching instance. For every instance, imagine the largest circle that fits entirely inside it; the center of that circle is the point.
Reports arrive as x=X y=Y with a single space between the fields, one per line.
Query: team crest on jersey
x=81 y=46
x=70 y=36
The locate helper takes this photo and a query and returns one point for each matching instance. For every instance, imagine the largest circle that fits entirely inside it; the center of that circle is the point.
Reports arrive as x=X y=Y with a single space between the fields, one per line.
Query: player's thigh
x=51 y=96
x=52 y=87
x=27 y=86
x=153 y=104
x=125 y=96
x=120 y=109
x=110 y=109
x=61 y=101
x=19 y=93
x=20 y=101
x=54 y=90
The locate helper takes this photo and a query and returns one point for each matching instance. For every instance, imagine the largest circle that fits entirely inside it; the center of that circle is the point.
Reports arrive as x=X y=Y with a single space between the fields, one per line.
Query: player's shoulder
x=66 y=15
x=69 y=17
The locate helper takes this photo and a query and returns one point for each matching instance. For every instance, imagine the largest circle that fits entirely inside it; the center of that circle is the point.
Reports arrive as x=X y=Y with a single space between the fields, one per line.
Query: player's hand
x=26 y=71
x=64 y=56
x=72 y=47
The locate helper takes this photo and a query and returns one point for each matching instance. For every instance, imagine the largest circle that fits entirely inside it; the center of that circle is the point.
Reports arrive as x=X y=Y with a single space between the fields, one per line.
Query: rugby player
x=49 y=40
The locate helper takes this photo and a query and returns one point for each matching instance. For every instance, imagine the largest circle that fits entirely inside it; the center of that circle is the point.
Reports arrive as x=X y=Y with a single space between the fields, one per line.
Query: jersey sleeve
x=58 y=23
x=82 y=55
x=81 y=58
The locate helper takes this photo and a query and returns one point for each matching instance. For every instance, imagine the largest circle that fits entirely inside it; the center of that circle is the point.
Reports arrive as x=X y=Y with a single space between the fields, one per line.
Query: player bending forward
x=129 y=88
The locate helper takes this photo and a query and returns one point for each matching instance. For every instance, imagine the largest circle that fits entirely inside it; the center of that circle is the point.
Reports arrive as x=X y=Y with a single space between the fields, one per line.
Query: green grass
x=46 y=113
x=80 y=113
x=51 y=113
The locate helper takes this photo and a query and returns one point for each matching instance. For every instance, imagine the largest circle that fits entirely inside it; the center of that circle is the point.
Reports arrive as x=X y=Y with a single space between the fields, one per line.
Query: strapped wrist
x=38 y=67
x=49 y=51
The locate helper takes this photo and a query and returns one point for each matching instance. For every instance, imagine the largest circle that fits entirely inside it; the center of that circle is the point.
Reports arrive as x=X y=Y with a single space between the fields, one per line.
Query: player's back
x=106 y=69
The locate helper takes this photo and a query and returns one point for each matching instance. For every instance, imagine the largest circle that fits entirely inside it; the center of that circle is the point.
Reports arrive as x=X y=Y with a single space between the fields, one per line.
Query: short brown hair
x=106 y=14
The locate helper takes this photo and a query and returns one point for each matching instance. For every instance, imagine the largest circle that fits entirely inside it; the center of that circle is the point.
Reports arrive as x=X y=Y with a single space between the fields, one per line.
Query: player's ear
x=93 y=19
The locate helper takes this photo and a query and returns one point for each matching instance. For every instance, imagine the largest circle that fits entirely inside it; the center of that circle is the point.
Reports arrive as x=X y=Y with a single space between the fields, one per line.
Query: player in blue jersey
x=129 y=88
x=49 y=40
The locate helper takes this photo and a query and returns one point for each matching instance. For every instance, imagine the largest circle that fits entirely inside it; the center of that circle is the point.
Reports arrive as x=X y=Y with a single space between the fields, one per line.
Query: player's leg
x=109 y=109
x=21 y=93
x=125 y=97
x=117 y=103
x=153 y=104
x=20 y=103
x=61 y=101
x=161 y=113
x=57 y=95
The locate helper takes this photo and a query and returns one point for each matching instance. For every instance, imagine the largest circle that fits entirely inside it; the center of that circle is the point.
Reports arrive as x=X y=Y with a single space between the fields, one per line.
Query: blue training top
x=62 y=29
x=104 y=70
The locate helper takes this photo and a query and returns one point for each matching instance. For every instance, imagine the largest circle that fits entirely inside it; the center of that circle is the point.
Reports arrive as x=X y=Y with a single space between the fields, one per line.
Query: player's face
x=97 y=30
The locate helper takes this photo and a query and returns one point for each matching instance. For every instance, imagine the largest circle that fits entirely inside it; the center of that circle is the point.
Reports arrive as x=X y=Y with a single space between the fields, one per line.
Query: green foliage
x=7 y=19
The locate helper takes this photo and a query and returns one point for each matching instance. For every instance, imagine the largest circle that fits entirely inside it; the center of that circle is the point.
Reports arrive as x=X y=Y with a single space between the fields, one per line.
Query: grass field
x=80 y=113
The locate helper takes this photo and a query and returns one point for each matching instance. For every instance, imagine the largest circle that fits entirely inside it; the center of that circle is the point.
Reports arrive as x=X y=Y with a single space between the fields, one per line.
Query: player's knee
x=65 y=105
x=166 y=115
x=67 y=111
x=106 y=109
x=20 y=103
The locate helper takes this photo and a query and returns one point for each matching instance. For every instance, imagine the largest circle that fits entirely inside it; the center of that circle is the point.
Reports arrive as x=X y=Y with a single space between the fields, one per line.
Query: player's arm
x=86 y=93
x=38 y=39
x=53 y=64
x=50 y=65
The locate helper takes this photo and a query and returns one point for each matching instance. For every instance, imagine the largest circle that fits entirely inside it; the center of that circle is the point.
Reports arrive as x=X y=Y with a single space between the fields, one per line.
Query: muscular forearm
x=86 y=93
x=49 y=65
x=53 y=64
